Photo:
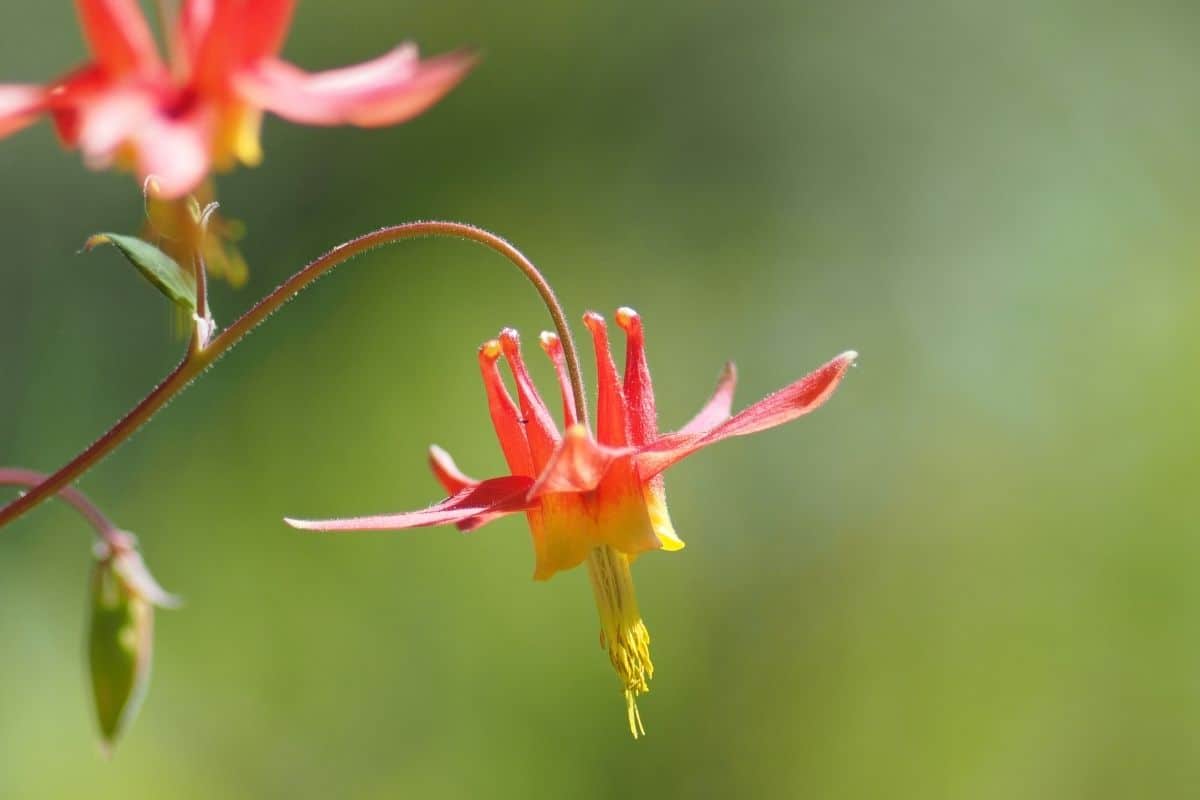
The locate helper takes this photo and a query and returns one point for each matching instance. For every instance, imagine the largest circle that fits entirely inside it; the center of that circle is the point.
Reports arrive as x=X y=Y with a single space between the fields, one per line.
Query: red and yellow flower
x=597 y=498
x=202 y=107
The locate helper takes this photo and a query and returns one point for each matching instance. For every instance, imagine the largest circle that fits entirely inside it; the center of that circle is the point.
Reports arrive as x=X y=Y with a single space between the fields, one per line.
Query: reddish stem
x=105 y=529
x=197 y=360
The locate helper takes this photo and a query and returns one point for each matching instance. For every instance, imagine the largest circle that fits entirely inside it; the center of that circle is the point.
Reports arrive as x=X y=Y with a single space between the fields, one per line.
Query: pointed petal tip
x=171 y=602
x=850 y=356
x=549 y=341
x=325 y=525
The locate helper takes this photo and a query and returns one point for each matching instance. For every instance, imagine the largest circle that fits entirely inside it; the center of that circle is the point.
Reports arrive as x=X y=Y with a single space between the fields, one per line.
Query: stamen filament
x=622 y=632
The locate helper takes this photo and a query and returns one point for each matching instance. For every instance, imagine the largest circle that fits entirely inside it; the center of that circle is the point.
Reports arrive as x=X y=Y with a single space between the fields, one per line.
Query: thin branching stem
x=196 y=360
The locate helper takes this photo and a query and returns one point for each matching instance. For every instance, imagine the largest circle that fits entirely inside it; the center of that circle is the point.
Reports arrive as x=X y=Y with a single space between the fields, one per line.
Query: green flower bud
x=121 y=640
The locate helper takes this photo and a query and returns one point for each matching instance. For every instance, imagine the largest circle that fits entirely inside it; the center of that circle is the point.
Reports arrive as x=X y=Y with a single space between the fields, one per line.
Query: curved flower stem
x=104 y=527
x=197 y=360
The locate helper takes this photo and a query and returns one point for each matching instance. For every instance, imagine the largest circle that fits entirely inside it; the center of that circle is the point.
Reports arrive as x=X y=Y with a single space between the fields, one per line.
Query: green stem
x=197 y=360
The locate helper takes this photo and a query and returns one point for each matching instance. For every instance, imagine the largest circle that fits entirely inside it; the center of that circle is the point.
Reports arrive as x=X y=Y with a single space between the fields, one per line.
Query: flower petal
x=108 y=120
x=578 y=464
x=554 y=350
x=264 y=28
x=639 y=390
x=19 y=106
x=612 y=427
x=494 y=495
x=785 y=405
x=506 y=419
x=118 y=35
x=175 y=152
x=453 y=479
x=539 y=425
x=68 y=96
x=222 y=36
x=392 y=88
x=719 y=406
x=655 y=495
x=447 y=472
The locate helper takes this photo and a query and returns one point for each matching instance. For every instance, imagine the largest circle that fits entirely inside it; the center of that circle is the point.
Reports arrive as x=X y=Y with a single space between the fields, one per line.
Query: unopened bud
x=121 y=639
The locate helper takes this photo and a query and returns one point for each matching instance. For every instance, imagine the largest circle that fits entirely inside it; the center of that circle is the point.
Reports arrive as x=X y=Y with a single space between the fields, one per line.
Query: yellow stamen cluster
x=622 y=632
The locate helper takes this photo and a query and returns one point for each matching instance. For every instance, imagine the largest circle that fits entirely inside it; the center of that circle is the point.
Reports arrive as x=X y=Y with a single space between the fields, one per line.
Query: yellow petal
x=660 y=519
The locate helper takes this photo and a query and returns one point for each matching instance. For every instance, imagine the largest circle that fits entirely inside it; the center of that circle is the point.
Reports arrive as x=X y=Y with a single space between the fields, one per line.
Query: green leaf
x=120 y=644
x=155 y=265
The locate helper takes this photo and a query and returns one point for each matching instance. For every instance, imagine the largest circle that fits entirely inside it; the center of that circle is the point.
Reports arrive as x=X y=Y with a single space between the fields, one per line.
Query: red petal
x=505 y=417
x=719 y=406
x=447 y=472
x=639 y=390
x=494 y=495
x=553 y=348
x=265 y=25
x=578 y=465
x=109 y=119
x=19 y=106
x=785 y=405
x=175 y=152
x=118 y=35
x=611 y=415
x=66 y=97
x=392 y=88
x=222 y=36
x=539 y=426
x=195 y=21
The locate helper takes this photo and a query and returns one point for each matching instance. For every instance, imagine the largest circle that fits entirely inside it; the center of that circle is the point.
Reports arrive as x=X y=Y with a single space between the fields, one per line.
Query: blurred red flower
x=202 y=108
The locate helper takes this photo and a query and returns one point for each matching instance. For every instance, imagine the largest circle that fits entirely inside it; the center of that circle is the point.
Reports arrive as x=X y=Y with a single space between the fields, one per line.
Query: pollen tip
x=549 y=341
x=850 y=356
x=490 y=349
x=628 y=319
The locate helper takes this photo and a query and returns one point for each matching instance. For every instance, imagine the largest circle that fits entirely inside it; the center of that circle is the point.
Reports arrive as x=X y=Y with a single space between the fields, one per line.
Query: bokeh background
x=972 y=574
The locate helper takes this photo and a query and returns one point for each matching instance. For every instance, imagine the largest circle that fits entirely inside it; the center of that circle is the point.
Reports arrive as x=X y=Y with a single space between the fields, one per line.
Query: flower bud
x=121 y=638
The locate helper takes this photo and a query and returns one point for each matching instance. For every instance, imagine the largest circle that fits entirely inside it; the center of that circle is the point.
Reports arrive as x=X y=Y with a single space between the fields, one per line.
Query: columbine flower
x=203 y=108
x=598 y=499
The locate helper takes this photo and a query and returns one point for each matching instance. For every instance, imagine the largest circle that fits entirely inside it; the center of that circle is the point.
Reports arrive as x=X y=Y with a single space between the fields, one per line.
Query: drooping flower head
x=202 y=107
x=598 y=497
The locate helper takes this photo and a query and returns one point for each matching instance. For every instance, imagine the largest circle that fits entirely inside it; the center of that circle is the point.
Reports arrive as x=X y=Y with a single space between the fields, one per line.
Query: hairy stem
x=104 y=527
x=197 y=360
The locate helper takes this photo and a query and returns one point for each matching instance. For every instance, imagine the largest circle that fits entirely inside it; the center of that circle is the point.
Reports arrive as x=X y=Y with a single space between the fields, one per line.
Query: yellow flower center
x=622 y=632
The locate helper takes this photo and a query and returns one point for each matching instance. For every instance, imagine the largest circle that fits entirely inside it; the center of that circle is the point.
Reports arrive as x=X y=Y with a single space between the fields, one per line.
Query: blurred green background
x=973 y=574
